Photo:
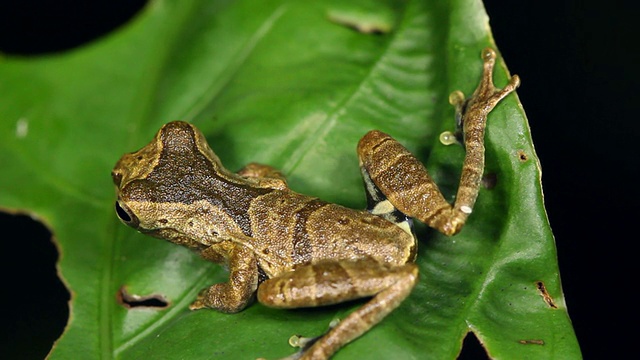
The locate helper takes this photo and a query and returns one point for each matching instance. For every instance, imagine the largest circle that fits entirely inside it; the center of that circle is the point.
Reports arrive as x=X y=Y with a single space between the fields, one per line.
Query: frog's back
x=290 y=229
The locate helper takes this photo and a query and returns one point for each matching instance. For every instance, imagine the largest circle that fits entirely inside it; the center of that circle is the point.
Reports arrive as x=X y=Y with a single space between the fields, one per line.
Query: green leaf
x=293 y=84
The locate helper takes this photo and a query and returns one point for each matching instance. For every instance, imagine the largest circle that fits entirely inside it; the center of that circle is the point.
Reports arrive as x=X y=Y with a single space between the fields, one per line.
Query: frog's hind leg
x=399 y=178
x=336 y=282
x=378 y=204
x=405 y=181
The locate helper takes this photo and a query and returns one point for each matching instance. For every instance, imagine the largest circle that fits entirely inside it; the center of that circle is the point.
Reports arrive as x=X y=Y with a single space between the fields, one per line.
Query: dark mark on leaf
x=523 y=156
x=531 y=342
x=545 y=295
x=489 y=181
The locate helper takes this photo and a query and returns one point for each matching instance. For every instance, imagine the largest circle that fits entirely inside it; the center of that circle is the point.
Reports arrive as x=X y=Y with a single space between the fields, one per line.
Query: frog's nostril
x=122 y=213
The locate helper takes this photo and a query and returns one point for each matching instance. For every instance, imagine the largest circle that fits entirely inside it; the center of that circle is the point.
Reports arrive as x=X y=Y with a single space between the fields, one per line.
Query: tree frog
x=290 y=250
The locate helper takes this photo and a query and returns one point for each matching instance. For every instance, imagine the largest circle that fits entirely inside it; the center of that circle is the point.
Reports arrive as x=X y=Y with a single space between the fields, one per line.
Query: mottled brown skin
x=294 y=250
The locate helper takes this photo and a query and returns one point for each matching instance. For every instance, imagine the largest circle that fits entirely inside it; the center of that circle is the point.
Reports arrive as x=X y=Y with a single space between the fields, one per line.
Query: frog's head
x=160 y=186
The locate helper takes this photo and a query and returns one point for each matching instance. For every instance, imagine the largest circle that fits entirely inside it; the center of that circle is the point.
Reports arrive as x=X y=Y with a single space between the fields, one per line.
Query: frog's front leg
x=396 y=175
x=234 y=295
x=265 y=175
x=333 y=282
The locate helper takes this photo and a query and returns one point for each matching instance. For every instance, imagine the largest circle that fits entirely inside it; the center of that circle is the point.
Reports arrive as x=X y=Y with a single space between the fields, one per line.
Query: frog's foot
x=301 y=342
x=484 y=98
x=224 y=298
x=203 y=300
x=471 y=120
x=199 y=303
x=304 y=343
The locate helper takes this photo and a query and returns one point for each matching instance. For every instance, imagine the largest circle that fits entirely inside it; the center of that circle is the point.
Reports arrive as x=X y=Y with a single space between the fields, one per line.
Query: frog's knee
x=370 y=141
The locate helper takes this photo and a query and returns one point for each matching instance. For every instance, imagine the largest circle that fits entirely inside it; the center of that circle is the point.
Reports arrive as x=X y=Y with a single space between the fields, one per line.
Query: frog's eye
x=126 y=215
x=116 y=177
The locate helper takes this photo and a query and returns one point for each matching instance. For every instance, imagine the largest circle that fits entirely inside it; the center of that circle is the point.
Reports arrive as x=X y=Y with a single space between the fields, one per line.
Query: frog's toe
x=304 y=343
x=199 y=303
x=196 y=305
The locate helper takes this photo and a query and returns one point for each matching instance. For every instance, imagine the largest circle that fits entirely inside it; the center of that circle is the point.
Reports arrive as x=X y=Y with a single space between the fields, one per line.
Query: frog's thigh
x=391 y=172
x=331 y=282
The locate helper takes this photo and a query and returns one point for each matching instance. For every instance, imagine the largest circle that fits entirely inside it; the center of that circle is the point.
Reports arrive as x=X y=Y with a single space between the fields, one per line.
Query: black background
x=578 y=62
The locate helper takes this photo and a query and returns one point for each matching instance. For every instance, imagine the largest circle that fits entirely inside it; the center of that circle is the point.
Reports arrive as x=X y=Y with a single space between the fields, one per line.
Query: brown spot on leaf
x=531 y=342
x=545 y=295
x=131 y=301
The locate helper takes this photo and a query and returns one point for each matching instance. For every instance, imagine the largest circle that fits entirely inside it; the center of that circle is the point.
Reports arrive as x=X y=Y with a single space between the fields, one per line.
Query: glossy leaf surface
x=292 y=84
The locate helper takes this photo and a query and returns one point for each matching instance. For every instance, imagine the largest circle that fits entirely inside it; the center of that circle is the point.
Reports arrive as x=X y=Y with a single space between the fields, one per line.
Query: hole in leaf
x=545 y=295
x=472 y=349
x=35 y=303
x=522 y=156
x=39 y=27
x=131 y=301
